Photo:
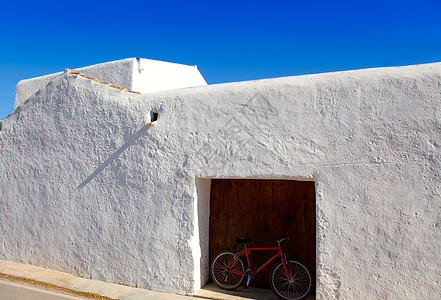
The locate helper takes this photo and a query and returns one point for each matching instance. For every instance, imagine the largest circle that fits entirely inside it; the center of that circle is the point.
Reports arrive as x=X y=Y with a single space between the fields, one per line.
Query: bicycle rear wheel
x=295 y=289
x=223 y=278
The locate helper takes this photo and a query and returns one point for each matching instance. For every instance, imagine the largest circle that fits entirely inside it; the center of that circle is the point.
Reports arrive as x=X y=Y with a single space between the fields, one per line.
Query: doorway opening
x=263 y=210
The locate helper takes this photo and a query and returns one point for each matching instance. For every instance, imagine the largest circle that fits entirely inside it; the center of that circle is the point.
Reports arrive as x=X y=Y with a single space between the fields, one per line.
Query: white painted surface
x=118 y=72
x=27 y=87
x=140 y=75
x=153 y=76
x=201 y=232
x=88 y=189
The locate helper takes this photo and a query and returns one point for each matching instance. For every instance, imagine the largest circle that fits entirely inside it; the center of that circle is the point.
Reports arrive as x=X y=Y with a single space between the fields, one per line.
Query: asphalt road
x=17 y=290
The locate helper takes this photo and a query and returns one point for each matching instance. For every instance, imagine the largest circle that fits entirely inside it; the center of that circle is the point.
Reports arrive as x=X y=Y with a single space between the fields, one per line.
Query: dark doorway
x=264 y=211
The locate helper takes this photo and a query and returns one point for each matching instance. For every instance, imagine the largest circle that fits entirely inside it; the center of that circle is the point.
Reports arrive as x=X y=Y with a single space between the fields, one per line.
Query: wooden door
x=264 y=211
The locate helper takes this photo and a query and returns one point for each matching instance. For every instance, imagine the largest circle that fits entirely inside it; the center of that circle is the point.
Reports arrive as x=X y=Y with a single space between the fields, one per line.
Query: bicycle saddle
x=243 y=241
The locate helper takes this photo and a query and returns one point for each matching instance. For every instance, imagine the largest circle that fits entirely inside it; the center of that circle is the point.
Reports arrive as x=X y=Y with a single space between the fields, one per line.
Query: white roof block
x=135 y=74
x=153 y=76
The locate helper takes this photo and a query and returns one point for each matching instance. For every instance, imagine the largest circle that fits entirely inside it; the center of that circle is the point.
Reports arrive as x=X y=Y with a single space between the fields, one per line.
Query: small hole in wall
x=153 y=115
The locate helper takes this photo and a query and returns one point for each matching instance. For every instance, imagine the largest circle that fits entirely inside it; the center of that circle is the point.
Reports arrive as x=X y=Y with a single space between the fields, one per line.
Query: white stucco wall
x=27 y=87
x=135 y=74
x=153 y=76
x=119 y=73
x=88 y=189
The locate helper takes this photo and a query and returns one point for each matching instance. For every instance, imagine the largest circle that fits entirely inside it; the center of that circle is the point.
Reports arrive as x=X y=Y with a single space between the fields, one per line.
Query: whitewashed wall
x=119 y=73
x=88 y=189
x=151 y=76
x=135 y=74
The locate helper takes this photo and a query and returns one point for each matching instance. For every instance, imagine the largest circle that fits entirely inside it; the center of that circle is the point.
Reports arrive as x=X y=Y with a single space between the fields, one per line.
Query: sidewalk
x=110 y=291
x=78 y=284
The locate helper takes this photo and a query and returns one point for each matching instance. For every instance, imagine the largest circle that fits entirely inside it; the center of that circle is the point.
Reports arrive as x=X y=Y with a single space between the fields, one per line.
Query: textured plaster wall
x=87 y=188
x=119 y=73
x=135 y=74
x=201 y=232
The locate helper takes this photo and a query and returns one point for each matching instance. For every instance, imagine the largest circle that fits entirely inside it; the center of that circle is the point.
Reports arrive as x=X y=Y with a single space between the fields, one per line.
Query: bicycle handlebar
x=282 y=239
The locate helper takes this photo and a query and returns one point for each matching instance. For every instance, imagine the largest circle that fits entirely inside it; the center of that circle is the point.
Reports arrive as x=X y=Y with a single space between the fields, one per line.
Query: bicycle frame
x=247 y=250
x=289 y=279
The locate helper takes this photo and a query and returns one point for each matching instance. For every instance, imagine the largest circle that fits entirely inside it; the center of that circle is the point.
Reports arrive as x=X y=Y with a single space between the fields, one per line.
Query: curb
x=80 y=286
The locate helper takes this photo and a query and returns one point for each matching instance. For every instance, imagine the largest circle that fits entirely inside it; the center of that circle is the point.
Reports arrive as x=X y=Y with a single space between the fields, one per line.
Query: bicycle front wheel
x=296 y=288
x=224 y=278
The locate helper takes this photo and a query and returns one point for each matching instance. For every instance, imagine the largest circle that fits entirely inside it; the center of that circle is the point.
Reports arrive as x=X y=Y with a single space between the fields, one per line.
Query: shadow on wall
x=130 y=141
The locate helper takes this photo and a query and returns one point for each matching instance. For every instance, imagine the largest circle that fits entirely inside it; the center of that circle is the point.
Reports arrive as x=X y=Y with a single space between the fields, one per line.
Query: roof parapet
x=74 y=72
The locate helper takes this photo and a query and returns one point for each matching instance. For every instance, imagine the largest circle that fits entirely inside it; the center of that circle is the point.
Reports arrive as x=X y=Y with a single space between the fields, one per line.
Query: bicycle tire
x=301 y=280
x=225 y=279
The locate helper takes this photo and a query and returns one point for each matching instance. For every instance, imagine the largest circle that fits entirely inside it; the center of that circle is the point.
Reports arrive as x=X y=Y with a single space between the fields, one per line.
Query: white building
x=347 y=163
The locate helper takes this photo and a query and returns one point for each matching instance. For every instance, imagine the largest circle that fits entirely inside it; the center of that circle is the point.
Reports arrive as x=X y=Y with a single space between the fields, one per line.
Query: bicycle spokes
x=289 y=279
x=226 y=274
x=295 y=288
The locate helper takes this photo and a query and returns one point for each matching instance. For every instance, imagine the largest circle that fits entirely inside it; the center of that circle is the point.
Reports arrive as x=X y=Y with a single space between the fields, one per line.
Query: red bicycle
x=289 y=279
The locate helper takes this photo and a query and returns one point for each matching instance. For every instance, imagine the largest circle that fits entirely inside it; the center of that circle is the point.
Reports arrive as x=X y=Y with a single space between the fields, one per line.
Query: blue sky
x=228 y=40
